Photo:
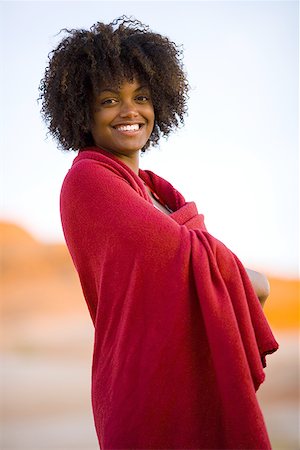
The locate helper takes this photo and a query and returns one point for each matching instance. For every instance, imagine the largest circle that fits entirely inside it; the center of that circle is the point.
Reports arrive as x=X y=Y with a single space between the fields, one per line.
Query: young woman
x=180 y=336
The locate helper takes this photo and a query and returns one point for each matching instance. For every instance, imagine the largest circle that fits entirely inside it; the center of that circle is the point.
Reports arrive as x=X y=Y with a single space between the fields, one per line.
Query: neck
x=132 y=161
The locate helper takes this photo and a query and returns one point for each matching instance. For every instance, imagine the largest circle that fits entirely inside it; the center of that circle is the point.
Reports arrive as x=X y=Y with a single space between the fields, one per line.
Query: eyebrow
x=116 y=91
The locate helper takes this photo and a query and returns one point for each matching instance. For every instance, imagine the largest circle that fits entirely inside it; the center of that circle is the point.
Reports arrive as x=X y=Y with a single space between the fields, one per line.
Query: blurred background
x=236 y=157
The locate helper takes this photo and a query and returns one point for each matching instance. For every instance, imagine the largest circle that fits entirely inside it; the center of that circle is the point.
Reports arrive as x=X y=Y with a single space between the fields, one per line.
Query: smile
x=128 y=128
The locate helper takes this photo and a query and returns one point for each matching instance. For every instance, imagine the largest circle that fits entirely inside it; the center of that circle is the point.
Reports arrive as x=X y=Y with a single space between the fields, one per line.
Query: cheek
x=99 y=122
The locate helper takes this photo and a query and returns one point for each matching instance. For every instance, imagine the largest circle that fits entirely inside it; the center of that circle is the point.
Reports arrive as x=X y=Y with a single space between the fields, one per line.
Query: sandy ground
x=279 y=394
x=45 y=387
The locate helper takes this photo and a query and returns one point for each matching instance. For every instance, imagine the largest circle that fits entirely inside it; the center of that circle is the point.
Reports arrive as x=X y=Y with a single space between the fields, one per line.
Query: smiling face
x=123 y=118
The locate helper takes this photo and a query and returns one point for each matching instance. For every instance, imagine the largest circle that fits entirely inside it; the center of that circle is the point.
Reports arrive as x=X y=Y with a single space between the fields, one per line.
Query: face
x=123 y=118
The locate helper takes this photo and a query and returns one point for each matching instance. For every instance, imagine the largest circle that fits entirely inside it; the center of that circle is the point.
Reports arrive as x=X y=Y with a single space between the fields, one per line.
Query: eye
x=143 y=98
x=108 y=101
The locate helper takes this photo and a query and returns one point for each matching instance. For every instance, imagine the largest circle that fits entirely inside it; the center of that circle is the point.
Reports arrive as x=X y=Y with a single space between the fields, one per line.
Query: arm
x=260 y=284
x=89 y=188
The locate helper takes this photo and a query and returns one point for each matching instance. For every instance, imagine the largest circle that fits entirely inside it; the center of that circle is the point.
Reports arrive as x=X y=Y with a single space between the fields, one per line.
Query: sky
x=237 y=155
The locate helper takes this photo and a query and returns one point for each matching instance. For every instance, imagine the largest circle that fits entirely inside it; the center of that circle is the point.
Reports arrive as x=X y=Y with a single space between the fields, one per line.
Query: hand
x=260 y=284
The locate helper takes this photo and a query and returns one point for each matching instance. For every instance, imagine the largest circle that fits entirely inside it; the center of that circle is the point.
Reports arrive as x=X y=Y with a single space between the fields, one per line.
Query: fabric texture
x=180 y=335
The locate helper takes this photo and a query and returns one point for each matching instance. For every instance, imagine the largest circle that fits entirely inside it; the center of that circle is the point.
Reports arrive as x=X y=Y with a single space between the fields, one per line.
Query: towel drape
x=180 y=335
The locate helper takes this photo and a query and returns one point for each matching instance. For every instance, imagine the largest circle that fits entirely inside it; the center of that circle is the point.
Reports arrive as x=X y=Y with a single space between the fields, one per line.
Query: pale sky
x=236 y=157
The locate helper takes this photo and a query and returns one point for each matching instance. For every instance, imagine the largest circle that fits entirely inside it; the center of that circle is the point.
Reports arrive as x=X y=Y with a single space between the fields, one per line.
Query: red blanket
x=180 y=336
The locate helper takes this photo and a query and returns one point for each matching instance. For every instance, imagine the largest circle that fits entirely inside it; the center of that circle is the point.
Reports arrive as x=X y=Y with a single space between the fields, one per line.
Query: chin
x=130 y=148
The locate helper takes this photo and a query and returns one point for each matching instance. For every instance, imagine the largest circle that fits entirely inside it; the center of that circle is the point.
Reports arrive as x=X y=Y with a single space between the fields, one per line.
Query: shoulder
x=87 y=173
x=94 y=185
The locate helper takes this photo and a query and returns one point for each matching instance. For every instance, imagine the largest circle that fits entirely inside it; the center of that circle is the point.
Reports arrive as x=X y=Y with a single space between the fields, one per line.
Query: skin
x=260 y=284
x=130 y=104
x=127 y=104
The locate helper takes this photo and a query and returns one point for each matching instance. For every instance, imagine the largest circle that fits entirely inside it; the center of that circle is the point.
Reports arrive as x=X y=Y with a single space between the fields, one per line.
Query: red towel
x=180 y=336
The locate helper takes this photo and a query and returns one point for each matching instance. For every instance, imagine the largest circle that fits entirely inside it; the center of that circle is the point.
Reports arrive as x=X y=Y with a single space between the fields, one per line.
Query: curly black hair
x=109 y=54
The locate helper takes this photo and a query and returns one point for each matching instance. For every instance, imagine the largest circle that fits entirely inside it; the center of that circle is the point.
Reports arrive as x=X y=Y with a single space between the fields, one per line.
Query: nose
x=128 y=109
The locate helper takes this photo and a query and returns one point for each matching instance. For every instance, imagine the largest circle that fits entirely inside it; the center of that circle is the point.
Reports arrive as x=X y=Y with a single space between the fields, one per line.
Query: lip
x=128 y=132
x=124 y=124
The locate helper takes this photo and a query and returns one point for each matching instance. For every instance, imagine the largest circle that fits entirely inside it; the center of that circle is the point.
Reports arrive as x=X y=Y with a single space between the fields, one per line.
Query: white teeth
x=133 y=127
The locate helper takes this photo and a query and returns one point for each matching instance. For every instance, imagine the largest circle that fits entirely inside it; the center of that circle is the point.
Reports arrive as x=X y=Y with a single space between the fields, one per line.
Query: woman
x=180 y=336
